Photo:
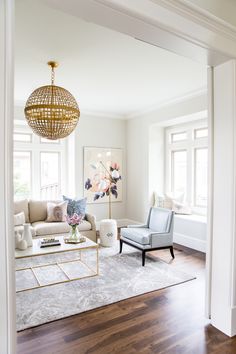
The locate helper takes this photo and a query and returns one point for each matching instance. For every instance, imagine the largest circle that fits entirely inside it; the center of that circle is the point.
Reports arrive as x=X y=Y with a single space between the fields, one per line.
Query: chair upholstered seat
x=136 y=234
x=157 y=233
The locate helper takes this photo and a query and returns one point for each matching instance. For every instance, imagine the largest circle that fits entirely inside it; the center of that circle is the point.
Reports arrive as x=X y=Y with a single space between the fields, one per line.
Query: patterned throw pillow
x=19 y=219
x=56 y=212
x=77 y=206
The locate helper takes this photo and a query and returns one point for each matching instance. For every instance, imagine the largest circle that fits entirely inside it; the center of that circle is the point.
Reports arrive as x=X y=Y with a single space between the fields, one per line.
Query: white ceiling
x=108 y=72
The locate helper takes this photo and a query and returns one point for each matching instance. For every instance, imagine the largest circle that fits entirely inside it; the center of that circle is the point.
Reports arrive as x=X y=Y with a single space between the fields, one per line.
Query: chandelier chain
x=52 y=76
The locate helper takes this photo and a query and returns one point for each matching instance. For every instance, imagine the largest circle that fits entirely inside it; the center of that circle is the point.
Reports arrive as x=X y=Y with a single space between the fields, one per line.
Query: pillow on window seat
x=166 y=200
x=181 y=208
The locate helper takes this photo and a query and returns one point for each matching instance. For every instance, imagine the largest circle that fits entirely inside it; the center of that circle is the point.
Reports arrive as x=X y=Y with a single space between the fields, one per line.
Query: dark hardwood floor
x=165 y=321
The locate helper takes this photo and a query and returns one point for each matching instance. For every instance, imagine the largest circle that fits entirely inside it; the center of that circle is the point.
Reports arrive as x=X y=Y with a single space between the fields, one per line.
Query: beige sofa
x=36 y=213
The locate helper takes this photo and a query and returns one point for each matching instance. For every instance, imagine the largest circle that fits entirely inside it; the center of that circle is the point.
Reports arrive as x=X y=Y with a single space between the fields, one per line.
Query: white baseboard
x=190 y=242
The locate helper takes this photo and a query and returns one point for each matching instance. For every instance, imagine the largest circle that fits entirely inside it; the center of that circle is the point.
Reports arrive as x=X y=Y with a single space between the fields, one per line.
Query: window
x=22 y=137
x=178 y=137
x=179 y=171
x=22 y=174
x=186 y=163
x=50 y=175
x=39 y=166
x=200 y=133
x=201 y=177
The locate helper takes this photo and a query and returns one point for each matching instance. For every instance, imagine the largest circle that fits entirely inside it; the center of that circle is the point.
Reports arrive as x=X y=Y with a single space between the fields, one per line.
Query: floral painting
x=102 y=174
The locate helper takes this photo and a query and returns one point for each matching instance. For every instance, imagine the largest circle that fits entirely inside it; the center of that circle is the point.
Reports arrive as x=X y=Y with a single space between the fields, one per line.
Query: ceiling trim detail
x=169 y=102
x=200 y=16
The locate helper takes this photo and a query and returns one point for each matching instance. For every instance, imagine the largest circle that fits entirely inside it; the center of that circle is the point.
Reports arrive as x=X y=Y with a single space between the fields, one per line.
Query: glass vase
x=74 y=233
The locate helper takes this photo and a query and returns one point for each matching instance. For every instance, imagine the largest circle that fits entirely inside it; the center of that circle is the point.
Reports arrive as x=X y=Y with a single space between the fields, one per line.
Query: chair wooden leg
x=172 y=251
x=143 y=258
x=121 y=245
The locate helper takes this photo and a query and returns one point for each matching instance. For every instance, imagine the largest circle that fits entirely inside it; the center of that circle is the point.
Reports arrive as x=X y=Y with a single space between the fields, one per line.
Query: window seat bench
x=191 y=231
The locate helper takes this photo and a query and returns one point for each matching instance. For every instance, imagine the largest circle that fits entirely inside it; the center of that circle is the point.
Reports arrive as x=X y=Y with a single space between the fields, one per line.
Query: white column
x=7 y=287
x=223 y=277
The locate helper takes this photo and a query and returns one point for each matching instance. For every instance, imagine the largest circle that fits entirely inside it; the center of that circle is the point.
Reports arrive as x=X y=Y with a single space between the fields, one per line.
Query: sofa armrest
x=92 y=219
x=140 y=226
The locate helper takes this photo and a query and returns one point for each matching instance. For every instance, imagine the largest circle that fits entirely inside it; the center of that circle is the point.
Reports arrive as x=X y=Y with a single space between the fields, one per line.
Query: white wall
x=223 y=278
x=100 y=132
x=139 y=131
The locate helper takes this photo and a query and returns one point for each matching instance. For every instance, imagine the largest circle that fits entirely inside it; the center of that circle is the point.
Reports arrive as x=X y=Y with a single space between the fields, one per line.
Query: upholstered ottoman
x=108 y=232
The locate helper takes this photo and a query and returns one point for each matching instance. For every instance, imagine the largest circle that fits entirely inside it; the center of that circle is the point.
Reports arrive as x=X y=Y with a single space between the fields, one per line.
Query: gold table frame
x=58 y=264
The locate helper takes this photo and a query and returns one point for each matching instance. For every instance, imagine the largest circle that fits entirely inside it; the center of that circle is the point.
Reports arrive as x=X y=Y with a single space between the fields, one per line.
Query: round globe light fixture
x=51 y=111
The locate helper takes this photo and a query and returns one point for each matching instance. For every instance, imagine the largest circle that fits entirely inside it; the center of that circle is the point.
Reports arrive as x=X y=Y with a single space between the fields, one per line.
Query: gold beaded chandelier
x=51 y=111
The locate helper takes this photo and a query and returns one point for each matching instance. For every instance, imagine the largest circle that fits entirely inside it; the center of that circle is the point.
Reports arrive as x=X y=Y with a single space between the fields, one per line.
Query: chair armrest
x=140 y=226
x=92 y=219
x=161 y=239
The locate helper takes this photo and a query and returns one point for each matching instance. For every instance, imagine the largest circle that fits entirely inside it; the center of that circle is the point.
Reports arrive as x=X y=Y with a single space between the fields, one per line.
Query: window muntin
x=22 y=174
x=48 y=141
x=200 y=174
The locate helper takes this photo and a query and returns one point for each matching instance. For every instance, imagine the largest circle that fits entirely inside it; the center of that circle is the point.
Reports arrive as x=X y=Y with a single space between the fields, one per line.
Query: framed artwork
x=102 y=174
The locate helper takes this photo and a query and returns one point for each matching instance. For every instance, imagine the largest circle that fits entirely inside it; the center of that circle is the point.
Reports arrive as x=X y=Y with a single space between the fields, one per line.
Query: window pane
x=201 y=177
x=179 y=171
x=178 y=137
x=22 y=174
x=200 y=133
x=48 y=141
x=49 y=175
x=22 y=137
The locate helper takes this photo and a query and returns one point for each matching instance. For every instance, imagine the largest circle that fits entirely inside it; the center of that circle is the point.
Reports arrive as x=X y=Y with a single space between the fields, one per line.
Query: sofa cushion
x=22 y=206
x=137 y=234
x=50 y=228
x=38 y=209
x=20 y=229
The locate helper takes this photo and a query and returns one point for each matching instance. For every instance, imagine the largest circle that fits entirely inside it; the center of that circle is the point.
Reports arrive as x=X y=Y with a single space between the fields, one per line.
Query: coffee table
x=36 y=251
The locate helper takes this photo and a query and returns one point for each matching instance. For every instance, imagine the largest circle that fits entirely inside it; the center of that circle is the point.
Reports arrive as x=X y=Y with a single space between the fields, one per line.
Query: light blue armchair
x=156 y=234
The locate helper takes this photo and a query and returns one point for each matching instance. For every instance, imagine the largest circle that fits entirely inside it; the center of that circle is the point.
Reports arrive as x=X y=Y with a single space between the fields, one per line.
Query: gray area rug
x=120 y=277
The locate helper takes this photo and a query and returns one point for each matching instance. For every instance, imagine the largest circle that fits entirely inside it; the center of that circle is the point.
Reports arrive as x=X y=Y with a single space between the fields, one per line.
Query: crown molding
x=169 y=102
x=136 y=114
x=200 y=16
x=102 y=114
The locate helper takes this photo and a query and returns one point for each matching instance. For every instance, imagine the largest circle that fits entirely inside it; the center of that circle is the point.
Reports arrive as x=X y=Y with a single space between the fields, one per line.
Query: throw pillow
x=19 y=219
x=166 y=200
x=162 y=201
x=180 y=208
x=56 y=212
x=77 y=206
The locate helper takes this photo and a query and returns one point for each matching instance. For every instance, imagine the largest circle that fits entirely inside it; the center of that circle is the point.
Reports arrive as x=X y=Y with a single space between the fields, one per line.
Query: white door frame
x=7 y=290
x=171 y=24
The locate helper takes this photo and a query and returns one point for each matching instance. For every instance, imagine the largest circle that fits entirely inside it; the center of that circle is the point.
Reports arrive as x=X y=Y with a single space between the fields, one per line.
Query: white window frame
x=189 y=145
x=36 y=147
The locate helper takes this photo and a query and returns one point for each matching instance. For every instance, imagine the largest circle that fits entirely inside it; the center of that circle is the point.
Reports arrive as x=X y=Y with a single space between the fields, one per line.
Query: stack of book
x=47 y=242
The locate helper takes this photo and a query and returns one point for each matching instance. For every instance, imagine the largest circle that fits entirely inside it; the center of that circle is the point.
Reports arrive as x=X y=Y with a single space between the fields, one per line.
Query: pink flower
x=75 y=219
